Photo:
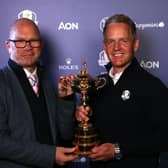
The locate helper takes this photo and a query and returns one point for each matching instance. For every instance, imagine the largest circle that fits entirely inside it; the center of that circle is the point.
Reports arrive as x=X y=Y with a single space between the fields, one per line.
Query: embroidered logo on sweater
x=125 y=95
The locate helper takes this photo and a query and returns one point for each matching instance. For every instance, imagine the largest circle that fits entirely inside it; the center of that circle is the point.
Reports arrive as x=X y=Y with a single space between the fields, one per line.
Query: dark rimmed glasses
x=22 y=43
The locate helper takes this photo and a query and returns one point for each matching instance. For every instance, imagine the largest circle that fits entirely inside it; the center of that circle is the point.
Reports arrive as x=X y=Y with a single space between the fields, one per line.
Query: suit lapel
x=18 y=96
x=51 y=107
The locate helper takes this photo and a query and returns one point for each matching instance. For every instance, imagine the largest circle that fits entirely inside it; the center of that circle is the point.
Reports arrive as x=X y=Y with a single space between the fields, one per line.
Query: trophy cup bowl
x=86 y=136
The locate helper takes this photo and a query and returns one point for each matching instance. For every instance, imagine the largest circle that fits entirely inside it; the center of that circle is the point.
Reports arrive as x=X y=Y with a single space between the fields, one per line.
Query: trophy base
x=85 y=138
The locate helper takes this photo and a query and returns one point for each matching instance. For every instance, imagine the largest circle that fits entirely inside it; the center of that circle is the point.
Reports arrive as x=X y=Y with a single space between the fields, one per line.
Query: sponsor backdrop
x=72 y=31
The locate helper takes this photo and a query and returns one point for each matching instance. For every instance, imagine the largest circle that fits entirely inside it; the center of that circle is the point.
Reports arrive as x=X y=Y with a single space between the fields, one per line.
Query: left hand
x=103 y=152
x=65 y=155
x=82 y=113
x=64 y=85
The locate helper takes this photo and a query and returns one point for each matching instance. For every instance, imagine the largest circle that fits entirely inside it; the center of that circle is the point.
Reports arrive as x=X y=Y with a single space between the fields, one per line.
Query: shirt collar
x=28 y=73
x=116 y=76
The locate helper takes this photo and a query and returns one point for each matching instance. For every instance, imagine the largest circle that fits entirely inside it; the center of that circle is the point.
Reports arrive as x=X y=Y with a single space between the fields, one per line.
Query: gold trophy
x=86 y=136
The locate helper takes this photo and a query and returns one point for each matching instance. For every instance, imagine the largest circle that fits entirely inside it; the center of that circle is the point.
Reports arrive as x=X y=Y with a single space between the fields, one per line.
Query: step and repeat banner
x=72 y=32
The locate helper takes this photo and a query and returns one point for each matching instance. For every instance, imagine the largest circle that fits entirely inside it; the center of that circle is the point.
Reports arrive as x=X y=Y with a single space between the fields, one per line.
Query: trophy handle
x=100 y=82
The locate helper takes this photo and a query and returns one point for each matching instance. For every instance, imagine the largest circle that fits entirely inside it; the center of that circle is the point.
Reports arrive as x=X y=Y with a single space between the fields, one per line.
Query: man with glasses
x=30 y=124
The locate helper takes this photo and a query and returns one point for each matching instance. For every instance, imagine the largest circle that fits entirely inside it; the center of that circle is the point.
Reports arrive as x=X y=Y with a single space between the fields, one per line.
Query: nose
x=28 y=44
x=117 y=45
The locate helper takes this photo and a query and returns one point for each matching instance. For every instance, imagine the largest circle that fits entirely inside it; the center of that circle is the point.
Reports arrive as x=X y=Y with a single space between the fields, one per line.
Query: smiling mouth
x=117 y=54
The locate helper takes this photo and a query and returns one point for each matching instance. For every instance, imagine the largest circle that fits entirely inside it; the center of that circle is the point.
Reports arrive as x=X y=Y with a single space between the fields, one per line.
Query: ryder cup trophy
x=86 y=136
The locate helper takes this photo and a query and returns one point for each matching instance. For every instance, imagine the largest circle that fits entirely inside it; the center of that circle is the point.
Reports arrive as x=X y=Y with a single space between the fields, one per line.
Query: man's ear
x=136 y=44
x=8 y=46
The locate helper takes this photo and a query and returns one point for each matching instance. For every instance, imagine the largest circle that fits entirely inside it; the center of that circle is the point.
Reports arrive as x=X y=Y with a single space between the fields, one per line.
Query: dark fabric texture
x=31 y=127
x=132 y=113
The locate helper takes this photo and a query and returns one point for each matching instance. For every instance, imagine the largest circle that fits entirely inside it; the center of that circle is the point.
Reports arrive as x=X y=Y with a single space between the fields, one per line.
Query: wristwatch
x=117 y=152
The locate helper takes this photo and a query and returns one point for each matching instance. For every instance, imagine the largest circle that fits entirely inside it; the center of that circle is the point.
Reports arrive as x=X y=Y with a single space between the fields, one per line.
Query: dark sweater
x=136 y=121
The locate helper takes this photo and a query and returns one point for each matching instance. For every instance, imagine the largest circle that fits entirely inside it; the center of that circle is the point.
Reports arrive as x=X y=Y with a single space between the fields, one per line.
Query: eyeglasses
x=22 y=43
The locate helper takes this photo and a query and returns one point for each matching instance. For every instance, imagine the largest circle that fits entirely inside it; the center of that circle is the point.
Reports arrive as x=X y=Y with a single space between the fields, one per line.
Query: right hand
x=65 y=155
x=102 y=152
x=82 y=113
x=64 y=85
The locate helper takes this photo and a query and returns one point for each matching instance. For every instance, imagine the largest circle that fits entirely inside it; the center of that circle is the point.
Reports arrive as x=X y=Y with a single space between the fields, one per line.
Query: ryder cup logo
x=29 y=15
x=125 y=95
x=103 y=59
x=102 y=23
